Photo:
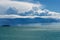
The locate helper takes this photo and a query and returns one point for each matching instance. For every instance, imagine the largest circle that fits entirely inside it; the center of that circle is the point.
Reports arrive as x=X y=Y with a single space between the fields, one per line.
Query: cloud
x=20 y=6
x=5 y=0
x=26 y=0
x=23 y=7
x=45 y=13
x=16 y=16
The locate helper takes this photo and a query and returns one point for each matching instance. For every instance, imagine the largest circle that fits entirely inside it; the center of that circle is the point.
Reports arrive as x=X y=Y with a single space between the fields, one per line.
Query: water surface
x=24 y=33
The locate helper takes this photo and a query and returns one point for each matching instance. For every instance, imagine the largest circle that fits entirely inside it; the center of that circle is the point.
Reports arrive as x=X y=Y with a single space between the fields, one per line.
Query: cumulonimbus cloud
x=23 y=7
x=20 y=6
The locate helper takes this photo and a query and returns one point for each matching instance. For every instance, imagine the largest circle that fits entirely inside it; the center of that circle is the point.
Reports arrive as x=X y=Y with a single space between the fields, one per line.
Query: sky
x=30 y=8
x=53 y=5
x=41 y=6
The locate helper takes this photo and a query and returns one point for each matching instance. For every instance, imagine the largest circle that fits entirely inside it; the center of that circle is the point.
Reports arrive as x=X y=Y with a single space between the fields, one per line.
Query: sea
x=29 y=33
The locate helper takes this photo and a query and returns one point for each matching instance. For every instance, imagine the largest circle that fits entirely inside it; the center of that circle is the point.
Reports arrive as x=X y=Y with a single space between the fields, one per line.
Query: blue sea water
x=26 y=33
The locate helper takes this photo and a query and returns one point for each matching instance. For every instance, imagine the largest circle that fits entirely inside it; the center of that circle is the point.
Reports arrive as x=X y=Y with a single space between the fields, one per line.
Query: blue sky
x=53 y=5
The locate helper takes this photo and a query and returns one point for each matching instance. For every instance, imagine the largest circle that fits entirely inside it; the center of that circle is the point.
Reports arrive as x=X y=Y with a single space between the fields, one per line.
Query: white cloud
x=23 y=7
x=20 y=6
x=18 y=16
x=50 y=14
x=5 y=0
